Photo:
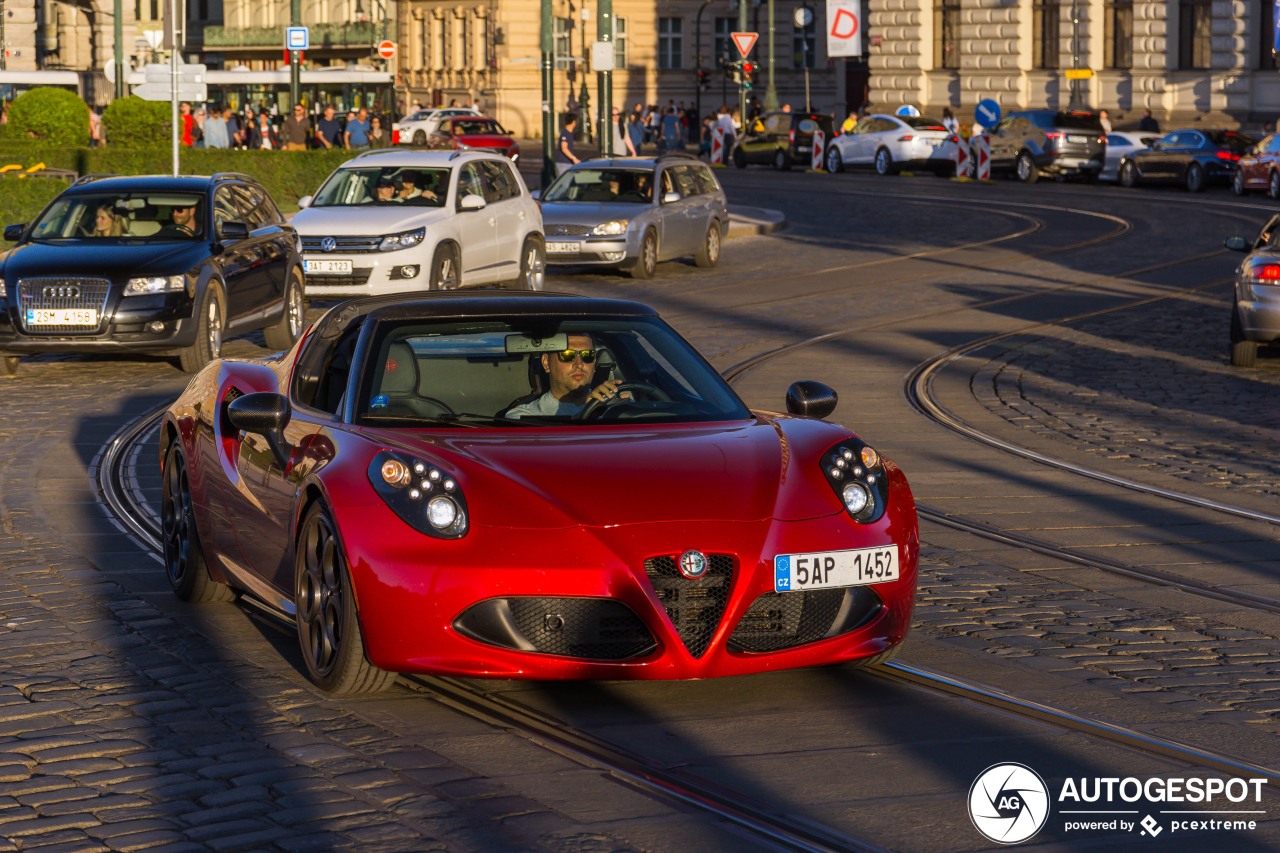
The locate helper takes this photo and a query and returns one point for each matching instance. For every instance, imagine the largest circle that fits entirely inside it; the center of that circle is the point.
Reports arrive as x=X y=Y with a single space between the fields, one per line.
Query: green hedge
x=131 y=121
x=22 y=198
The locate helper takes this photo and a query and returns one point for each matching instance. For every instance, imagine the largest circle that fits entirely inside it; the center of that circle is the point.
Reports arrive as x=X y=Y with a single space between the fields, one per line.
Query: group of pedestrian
x=261 y=129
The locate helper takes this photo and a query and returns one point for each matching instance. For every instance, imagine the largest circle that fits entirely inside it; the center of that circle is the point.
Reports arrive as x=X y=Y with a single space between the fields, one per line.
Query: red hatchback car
x=531 y=486
x=474 y=132
x=1260 y=168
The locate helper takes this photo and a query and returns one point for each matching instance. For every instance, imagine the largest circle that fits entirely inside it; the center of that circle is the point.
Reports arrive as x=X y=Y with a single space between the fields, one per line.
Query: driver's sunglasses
x=588 y=356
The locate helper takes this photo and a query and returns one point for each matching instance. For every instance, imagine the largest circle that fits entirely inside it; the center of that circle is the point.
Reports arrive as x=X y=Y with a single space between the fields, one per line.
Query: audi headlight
x=425 y=496
x=612 y=228
x=403 y=240
x=856 y=474
x=155 y=284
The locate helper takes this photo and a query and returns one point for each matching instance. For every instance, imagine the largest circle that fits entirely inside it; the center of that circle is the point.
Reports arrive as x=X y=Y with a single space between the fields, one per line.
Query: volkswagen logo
x=61 y=291
x=328 y=244
x=693 y=564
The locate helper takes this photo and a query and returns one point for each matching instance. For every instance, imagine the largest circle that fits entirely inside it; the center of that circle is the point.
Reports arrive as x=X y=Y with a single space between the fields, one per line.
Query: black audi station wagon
x=166 y=265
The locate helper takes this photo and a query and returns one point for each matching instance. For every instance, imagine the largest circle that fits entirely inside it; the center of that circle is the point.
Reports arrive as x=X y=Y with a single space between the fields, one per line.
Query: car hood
x=102 y=259
x=589 y=212
x=561 y=477
x=364 y=219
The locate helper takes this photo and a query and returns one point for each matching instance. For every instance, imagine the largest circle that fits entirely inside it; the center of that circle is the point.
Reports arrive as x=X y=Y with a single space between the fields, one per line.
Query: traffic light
x=702 y=80
x=748 y=71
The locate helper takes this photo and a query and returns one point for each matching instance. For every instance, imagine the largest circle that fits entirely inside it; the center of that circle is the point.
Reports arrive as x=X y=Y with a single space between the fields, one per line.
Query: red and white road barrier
x=819 y=150
x=718 y=154
x=962 y=157
x=982 y=155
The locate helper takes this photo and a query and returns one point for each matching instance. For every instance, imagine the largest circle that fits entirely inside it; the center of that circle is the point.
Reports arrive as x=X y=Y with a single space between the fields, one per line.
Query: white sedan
x=1120 y=144
x=889 y=143
x=416 y=129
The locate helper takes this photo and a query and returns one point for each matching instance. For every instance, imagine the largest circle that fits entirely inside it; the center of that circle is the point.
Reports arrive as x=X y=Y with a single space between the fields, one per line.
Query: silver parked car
x=1255 y=316
x=633 y=212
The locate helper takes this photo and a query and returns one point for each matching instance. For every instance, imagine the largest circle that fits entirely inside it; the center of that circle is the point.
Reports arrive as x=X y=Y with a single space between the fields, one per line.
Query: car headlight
x=155 y=284
x=425 y=496
x=611 y=228
x=856 y=474
x=403 y=240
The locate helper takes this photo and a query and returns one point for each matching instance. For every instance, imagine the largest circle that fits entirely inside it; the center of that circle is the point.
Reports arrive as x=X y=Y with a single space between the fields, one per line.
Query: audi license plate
x=62 y=317
x=829 y=569
x=563 y=248
x=334 y=267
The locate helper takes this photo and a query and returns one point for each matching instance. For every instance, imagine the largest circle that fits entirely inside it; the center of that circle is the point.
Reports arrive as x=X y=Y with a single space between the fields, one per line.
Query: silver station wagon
x=633 y=212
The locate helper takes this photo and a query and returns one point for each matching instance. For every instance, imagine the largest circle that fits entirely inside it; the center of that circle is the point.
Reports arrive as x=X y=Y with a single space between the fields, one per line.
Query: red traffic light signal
x=748 y=68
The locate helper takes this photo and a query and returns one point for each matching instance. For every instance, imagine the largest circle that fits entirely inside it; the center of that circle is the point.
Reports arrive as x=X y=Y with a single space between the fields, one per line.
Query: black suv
x=780 y=139
x=1052 y=142
x=168 y=265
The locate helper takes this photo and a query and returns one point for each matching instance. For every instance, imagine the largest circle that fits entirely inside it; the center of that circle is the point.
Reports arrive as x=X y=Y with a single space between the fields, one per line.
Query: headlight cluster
x=857 y=476
x=403 y=240
x=425 y=496
x=612 y=228
x=155 y=284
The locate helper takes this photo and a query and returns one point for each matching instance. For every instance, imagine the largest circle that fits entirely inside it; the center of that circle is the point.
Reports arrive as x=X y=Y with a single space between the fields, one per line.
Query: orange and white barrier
x=963 y=164
x=718 y=154
x=819 y=150
x=982 y=155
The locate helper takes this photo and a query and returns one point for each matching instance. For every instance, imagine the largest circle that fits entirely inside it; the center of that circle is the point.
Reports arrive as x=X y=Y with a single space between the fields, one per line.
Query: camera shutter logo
x=1009 y=803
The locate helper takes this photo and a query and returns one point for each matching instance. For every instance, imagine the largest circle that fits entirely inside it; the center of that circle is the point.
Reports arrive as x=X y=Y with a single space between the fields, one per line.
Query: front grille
x=61 y=293
x=694 y=605
x=594 y=628
x=359 y=276
x=781 y=620
x=568 y=230
x=342 y=244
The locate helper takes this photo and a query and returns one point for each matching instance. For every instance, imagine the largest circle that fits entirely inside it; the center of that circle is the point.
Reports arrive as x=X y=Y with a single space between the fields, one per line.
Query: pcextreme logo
x=1009 y=803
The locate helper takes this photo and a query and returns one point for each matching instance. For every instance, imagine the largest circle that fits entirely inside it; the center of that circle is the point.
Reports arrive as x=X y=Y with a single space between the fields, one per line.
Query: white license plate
x=1075 y=138
x=563 y=248
x=829 y=569
x=327 y=267
x=62 y=317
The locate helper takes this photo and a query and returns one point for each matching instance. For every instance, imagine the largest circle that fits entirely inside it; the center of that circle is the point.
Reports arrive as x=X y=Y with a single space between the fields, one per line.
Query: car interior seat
x=397 y=394
x=539 y=382
x=144 y=222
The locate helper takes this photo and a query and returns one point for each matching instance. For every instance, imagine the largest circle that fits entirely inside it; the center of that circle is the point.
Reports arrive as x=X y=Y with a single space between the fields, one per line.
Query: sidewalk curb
x=749 y=221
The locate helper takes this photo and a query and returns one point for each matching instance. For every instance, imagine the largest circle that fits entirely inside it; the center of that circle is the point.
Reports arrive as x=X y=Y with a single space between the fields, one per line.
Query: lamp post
x=604 y=79
x=771 y=91
x=697 y=74
x=1075 y=55
x=802 y=18
x=584 y=97
x=548 y=96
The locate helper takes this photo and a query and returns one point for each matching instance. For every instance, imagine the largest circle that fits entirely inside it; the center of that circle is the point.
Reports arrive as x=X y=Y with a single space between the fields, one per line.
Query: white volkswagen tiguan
x=391 y=221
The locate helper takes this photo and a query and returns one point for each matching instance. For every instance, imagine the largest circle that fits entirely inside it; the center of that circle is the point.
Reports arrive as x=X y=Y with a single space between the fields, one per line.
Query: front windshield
x=527 y=372
x=470 y=126
x=122 y=215
x=384 y=185
x=634 y=186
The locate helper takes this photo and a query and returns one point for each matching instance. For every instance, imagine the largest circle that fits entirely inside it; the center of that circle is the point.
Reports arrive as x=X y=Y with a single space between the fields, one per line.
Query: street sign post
x=158 y=81
x=297 y=38
x=386 y=49
x=987 y=113
x=744 y=42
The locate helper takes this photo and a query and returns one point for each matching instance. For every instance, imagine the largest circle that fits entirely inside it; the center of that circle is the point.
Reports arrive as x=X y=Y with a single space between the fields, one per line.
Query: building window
x=1045 y=19
x=1195 y=49
x=1118 y=34
x=723 y=44
x=670 y=44
x=619 y=43
x=946 y=34
x=424 y=43
x=1267 y=59
x=463 y=53
x=442 y=43
x=804 y=46
x=564 y=43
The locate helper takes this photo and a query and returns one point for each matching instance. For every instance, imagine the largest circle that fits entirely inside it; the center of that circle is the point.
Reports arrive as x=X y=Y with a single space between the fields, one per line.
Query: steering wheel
x=651 y=391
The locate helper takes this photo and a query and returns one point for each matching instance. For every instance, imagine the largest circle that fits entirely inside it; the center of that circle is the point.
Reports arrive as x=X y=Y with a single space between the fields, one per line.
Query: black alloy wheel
x=184 y=560
x=1195 y=178
x=781 y=161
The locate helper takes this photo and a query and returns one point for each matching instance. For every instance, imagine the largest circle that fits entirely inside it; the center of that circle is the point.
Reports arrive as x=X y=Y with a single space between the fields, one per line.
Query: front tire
x=646 y=265
x=419 y=137
x=1027 y=171
x=209 y=325
x=884 y=162
x=1195 y=178
x=533 y=265
x=1273 y=188
x=1237 y=183
x=739 y=158
x=781 y=161
x=184 y=560
x=709 y=253
x=1128 y=175
x=444 y=269
x=285 y=333
x=328 y=622
x=835 y=163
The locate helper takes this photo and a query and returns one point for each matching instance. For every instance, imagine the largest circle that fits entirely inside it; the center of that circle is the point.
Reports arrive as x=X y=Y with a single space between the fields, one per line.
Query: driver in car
x=571 y=371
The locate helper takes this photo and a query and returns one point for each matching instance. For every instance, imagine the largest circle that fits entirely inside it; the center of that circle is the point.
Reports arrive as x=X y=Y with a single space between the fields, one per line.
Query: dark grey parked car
x=1255 y=315
x=1030 y=143
x=633 y=212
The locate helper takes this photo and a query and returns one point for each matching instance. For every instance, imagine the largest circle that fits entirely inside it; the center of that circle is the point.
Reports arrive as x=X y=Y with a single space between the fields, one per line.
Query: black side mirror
x=811 y=399
x=233 y=231
x=1236 y=244
x=265 y=414
x=14 y=232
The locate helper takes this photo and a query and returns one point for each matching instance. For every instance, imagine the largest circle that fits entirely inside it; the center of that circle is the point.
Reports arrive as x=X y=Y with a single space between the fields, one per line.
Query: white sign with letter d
x=844 y=28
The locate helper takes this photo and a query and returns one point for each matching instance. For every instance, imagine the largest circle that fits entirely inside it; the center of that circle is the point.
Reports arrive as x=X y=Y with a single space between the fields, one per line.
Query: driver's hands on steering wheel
x=607 y=390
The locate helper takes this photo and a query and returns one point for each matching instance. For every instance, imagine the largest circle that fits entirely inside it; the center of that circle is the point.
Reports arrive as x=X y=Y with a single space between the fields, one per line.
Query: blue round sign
x=988 y=113
x=907 y=110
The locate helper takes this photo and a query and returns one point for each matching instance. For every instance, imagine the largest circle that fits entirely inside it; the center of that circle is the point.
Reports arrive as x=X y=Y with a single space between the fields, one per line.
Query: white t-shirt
x=725 y=121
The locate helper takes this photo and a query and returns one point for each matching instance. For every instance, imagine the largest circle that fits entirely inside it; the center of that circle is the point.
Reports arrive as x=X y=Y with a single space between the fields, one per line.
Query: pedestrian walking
x=296 y=130
x=215 y=131
x=356 y=133
x=621 y=138
x=672 y=133
x=635 y=130
x=328 y=130
x=1148 y=123
x=564 y=148
x=378 y=137
x=724 y=120
x=948 y=121
x=1104 y=120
